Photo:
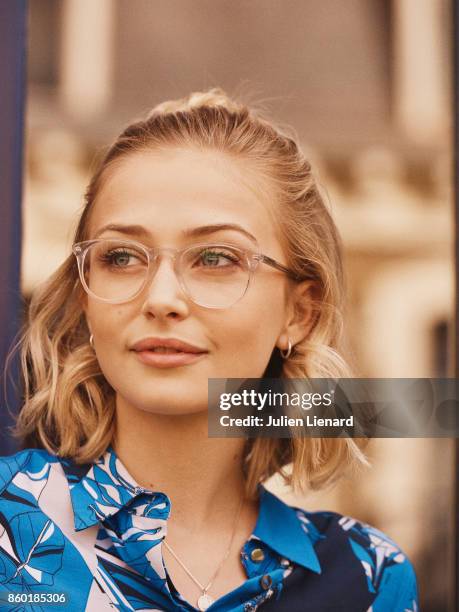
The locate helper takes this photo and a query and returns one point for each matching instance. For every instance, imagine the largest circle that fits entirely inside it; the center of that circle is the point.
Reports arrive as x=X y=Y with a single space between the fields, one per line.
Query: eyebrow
x=203 y=230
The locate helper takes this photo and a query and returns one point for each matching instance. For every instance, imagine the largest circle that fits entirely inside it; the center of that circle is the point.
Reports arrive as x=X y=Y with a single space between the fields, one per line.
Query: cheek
x=109 y=325
x=248 y=335
x=107 y=322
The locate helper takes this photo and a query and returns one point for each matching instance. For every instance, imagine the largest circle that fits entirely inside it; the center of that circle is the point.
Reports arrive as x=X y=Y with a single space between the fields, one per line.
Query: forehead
x=170 y=191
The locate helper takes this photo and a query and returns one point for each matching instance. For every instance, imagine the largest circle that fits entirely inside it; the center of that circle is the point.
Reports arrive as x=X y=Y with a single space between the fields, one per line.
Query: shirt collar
x=100 y=489
x=279 y=526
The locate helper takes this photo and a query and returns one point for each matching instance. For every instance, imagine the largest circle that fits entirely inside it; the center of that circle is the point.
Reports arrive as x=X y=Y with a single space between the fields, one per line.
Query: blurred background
x=367 y=85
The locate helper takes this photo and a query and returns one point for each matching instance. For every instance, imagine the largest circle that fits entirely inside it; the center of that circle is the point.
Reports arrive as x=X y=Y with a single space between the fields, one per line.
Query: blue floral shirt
x=90 y=538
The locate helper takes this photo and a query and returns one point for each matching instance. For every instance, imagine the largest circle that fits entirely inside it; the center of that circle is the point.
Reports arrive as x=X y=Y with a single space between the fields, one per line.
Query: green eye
x=217 y=259
x=119 y=258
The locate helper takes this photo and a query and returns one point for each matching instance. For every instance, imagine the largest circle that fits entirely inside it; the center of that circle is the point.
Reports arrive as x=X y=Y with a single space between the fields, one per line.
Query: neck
x=202 y=476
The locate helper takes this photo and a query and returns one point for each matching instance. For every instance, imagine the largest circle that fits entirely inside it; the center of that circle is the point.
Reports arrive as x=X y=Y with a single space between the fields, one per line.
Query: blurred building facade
x=367 y=86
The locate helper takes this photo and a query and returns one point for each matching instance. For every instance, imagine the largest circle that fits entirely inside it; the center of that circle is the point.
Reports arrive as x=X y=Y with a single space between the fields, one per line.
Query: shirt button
x=266 y=581
x=285 y=562
x=257 y=555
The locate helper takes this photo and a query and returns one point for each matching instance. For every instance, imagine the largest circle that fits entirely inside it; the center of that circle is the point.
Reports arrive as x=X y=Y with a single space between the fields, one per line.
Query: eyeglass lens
x=213 y=275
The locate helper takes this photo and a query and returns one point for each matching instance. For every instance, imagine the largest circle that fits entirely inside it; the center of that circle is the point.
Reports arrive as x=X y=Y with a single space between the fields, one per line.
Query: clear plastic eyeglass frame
x=253 y=258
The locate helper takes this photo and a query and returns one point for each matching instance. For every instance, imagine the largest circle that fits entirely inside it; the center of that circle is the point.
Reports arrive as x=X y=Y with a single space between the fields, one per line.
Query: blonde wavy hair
x=69 y=407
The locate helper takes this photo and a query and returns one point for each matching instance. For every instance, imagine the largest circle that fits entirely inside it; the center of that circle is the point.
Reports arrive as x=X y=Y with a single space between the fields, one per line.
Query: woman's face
x=168 y=194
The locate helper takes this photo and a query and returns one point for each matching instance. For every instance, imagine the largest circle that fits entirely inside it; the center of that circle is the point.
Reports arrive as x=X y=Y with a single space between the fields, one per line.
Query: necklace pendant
x=205 y=601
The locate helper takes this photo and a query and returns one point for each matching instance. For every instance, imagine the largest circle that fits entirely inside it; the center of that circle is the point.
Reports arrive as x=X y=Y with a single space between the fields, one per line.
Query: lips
x=167 y=352
x=166 y=346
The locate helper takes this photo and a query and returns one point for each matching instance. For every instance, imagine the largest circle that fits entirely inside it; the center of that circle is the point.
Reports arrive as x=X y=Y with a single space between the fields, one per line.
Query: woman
x=204 y=250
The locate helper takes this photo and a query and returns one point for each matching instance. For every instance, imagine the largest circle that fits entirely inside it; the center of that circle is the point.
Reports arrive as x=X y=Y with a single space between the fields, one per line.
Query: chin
x=171 y=404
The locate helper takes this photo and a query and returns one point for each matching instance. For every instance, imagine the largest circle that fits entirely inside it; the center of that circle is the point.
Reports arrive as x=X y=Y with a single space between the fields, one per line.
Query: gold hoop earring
x=91 y=341
x=289 y=350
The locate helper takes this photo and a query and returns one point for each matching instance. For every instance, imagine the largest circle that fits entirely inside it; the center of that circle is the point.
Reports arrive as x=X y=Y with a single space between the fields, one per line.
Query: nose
x=164 y=297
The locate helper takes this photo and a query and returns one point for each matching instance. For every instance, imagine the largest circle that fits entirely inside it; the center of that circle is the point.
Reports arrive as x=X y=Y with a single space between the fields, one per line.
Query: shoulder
x=34 y=523
x=389 y=574
x=27 y=460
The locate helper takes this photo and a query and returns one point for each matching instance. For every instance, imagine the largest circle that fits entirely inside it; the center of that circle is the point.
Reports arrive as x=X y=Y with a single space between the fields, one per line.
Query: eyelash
x=109 y=257
x=227 y=256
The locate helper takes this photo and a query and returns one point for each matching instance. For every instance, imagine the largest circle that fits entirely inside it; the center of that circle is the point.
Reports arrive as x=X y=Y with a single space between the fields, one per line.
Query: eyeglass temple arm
x=274 y=264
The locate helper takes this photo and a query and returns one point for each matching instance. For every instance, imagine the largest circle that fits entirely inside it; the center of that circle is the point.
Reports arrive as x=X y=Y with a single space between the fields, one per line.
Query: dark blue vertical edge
x=13 y=42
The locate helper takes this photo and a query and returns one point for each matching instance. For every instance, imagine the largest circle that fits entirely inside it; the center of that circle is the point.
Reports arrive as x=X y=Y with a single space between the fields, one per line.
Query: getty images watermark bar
x=329 y=408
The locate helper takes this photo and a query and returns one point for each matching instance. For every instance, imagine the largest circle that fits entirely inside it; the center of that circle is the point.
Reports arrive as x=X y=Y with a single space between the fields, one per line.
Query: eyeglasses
x=211 y=275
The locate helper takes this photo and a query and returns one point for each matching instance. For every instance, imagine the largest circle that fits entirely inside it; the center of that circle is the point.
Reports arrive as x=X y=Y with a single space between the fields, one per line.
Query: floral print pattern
x=92 y=533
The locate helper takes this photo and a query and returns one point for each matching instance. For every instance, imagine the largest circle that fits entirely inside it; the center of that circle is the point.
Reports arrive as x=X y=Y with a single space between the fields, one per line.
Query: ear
x=300 y=314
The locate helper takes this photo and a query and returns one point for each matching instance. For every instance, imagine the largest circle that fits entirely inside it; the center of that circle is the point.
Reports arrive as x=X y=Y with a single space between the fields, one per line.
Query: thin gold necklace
x=205 y=600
